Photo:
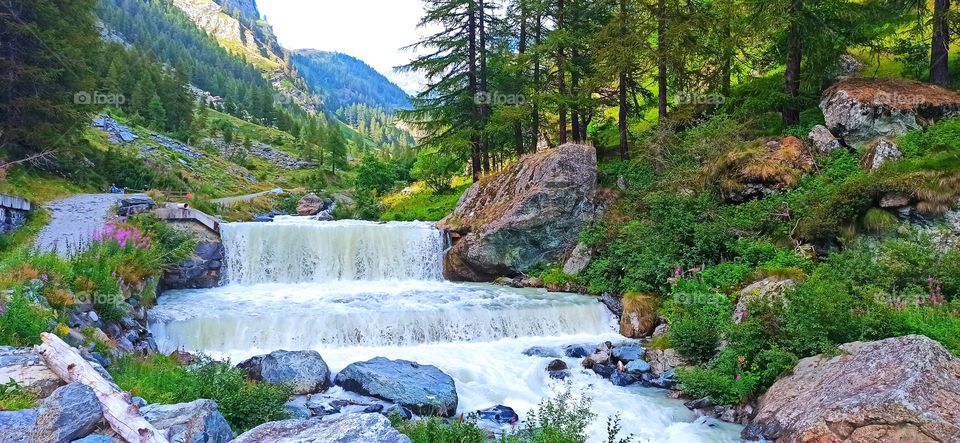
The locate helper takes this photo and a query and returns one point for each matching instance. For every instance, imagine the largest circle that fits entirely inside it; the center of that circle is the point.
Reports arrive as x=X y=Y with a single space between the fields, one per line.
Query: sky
x=371 y=30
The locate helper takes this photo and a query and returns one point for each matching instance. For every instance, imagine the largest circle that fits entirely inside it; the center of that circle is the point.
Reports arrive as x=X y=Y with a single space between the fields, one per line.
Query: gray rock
x=174 y=145
x=199 y=421
x=528 y=215
x=578 y=260
x=767 y=290
x=71 y=412
x=24 y=366
x=902 y=389
x=895 y=200
x=881 y=151
x=423 y=389
x=17 y=426
x=823 y=140
x=310 y=204
x=620 y=378
x=542 y=351
x=202 y=271
x=297 y=411
x=613 y=302
x=578 y=351
x=857 y=110
x=556 y=365
x=400 y=411
x=351 y=428
x=304 y=371
x=637 y=367
x=601 y=356
x=628 y=352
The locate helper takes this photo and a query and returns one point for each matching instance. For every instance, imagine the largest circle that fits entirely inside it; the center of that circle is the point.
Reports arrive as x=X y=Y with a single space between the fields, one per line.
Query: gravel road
x=74 y=220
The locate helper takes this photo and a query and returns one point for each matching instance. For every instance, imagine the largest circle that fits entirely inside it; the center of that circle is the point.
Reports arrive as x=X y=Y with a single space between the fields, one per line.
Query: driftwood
x=123 y=416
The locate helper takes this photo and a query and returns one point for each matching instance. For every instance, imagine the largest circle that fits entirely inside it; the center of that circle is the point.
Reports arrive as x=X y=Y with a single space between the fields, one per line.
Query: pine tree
x=940 y=44
x=45 y=47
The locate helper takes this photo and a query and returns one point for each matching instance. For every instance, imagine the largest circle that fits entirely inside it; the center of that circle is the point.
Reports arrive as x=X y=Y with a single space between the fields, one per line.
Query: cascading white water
x=293 y=250
x=355 y=290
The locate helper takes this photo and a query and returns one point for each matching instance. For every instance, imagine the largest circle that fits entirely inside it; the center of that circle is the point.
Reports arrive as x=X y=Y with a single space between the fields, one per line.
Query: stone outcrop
x=880 y=151
x=761 y=168
x=423 y=389
x=24 y=366
x=199 y=421
x=201 y=271
x=310 y=204
x=904 y=389
x=71 y=412
x=823 y=140
x=859 y=110
x=304 y=371
x=351 y=428
x=17 y=426
x=768 y=290
x=638 y=315
x=532 y=213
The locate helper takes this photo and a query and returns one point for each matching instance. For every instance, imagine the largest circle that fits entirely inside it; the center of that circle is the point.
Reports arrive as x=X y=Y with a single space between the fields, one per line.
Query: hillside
x=343 y=80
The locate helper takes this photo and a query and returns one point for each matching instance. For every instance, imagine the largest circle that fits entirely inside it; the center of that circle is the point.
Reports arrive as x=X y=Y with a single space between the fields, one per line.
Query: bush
x=161 y=379
x=13 y=397
x=698 y=317
x=23 y=320
x=435 y=430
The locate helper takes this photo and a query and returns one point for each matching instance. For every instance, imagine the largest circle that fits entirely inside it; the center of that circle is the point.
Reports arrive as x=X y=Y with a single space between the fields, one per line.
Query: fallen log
x=122 y=415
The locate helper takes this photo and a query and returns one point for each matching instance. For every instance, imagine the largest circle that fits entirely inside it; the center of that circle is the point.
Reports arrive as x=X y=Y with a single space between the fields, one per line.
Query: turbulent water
x=357 y=290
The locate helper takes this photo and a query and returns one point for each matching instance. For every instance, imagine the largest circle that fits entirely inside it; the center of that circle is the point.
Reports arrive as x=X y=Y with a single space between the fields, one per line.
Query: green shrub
x=436 y=430
x=13 y=397
x=698 y=317
x=161 y=379
x=23 y=320
x=941 y=135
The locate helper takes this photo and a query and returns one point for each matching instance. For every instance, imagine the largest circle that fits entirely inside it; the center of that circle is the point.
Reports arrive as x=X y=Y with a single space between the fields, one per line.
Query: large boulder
x=904 y=389
x=196 y=422
x=859 y=110
x=761 y=168
x=304 y=371
x=24 y=366
x=71 y=412
x=423 y=389
x=310 y=204
x=17 y=426
x=351 y=428
x=639 y=315
x=532 y=213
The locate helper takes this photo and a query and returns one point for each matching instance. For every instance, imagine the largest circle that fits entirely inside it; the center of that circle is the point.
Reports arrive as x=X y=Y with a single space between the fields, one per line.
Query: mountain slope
x=343 y=80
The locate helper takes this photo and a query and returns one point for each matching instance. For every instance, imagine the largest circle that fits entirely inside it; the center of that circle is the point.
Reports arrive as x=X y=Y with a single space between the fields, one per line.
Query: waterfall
x=294 y=250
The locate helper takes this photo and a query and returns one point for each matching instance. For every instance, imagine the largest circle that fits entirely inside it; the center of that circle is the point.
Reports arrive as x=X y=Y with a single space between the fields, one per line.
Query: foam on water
x=296 y=249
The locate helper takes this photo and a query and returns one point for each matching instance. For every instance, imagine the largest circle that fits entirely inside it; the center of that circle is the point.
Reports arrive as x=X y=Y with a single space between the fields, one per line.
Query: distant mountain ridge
x=344 y=80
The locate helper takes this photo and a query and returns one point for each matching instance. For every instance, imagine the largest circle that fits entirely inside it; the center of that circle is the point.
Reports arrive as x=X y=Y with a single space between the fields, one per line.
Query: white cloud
x=371 y=30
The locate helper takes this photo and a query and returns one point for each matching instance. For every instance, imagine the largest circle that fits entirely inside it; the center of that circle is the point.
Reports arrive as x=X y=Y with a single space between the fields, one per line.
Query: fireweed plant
x=122 y=261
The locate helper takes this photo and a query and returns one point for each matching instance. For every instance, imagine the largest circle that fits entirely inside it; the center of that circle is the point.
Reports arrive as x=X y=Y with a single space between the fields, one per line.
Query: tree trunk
x=791 y=110
x=940 y=48
x=124 y=417
x=521 y=53
x=537 y=41
x=561 y=78
x=484 y=86
x=622 y=92
x=661 y=63
x=475 y=152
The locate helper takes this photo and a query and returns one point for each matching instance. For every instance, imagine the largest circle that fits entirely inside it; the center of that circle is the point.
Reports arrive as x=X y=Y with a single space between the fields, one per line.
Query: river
x=356 y=290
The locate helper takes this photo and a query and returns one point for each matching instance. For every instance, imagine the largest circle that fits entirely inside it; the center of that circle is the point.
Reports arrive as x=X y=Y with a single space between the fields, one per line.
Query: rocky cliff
x=530 y=214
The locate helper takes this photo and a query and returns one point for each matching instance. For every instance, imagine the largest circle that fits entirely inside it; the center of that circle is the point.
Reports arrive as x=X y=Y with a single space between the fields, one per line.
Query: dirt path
x=248 y=197
x=74 y=221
